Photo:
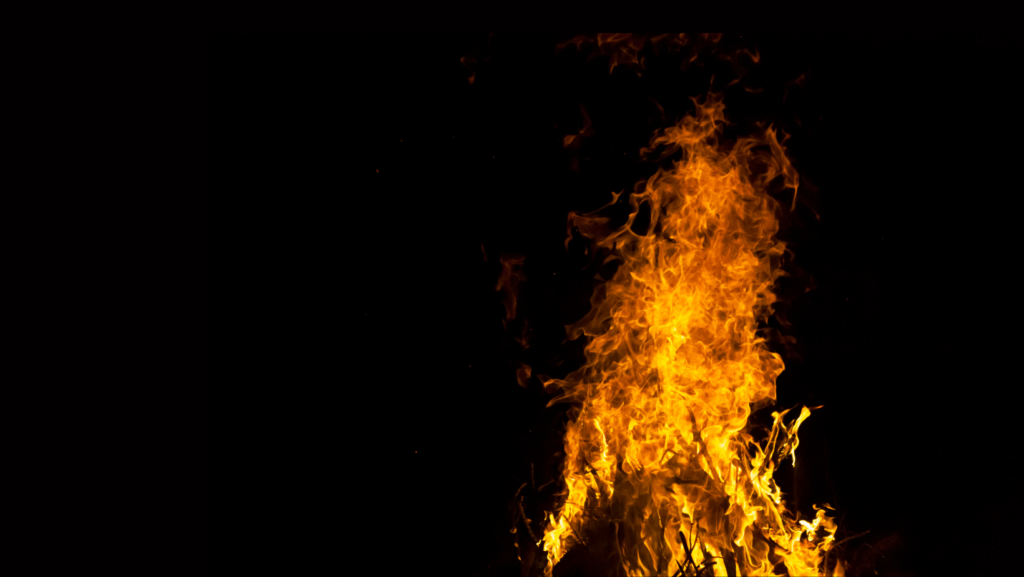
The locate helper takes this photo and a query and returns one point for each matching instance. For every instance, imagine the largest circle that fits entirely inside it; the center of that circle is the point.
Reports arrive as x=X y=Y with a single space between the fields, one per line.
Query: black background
x=365 y=410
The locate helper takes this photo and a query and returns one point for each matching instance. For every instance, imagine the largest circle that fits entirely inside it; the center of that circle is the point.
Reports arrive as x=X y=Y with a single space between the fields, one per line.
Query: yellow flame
x=658 y=444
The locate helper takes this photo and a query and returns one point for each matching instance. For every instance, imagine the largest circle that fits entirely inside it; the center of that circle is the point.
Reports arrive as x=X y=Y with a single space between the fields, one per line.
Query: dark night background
x=365 y=409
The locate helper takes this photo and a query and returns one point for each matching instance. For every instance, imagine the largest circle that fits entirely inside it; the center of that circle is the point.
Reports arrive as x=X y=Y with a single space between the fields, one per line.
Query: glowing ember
x=657 y=450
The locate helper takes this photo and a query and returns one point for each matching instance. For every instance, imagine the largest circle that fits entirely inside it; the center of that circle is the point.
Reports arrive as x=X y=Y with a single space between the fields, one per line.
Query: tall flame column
x=656 y=448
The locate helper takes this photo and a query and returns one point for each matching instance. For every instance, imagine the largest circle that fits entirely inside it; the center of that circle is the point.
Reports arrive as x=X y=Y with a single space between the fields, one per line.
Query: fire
x=658 y=452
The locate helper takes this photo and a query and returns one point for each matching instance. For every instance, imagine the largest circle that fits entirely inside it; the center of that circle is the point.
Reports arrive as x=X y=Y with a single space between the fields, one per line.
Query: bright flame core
x=657 y=447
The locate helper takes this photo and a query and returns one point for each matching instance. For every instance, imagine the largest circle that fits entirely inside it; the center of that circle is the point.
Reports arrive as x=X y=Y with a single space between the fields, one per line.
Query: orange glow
x=657 y=446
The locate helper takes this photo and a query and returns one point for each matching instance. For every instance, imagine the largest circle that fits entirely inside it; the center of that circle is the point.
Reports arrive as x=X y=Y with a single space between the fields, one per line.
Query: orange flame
x=658 y=448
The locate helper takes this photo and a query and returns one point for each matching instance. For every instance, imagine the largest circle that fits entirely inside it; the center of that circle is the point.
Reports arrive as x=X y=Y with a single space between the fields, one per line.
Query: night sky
x=365 y=410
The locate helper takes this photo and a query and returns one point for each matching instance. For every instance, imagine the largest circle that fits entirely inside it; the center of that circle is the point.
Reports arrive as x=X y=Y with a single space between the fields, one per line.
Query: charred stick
x=526 y=520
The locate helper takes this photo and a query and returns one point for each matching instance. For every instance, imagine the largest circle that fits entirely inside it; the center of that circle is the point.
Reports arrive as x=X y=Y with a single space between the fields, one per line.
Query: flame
x=658 y=446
